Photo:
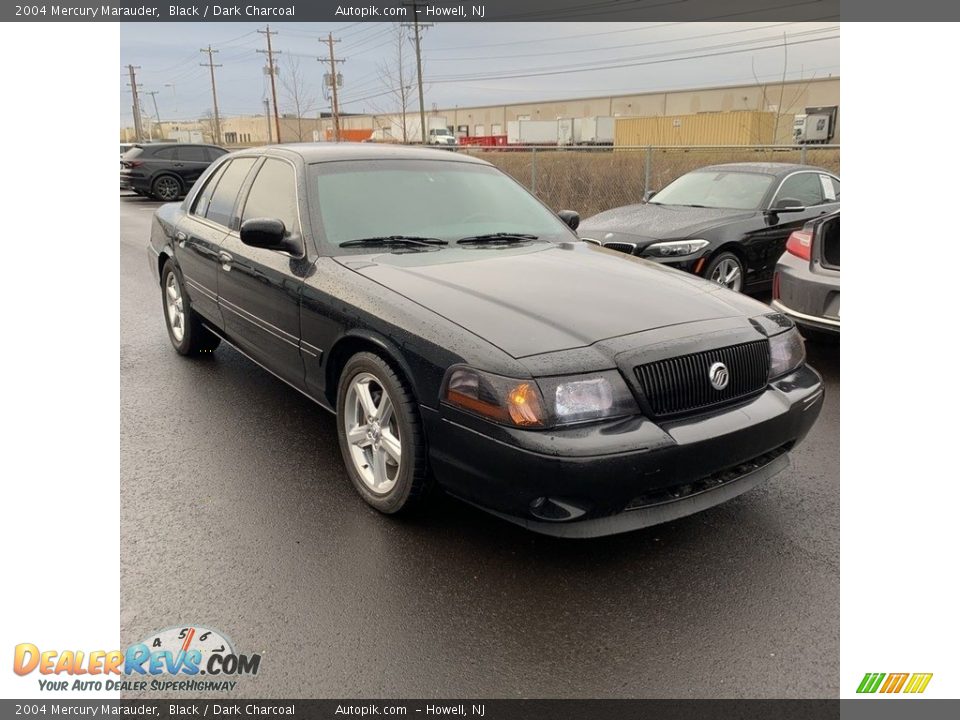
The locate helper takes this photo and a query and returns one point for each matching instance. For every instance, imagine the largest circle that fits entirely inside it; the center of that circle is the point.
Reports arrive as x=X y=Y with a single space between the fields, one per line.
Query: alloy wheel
x=174 y=299
x=728 y=273
x=373 y=433
x=167 y=188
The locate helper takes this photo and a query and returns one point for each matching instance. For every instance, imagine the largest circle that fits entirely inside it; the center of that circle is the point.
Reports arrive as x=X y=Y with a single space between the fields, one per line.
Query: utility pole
x=213 y=86
x=137 y=121
x=266 y=114
x=335 y=105
x=156 y=111
x=415 y=6
x=271 y=68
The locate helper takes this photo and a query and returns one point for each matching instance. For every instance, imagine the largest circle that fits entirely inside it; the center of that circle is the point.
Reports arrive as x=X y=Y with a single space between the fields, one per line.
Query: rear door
x=201 y=232
x=259 y=289
x=191 y=161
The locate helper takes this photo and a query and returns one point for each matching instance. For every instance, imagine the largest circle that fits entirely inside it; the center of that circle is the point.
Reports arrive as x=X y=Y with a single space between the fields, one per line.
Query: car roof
x=764 y=168
x=175 y=144
x=333 y=152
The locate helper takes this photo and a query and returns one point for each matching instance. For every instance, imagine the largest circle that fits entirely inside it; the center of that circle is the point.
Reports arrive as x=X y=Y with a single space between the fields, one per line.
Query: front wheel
x=381 y=437
x=726 y=269
x=187 y=335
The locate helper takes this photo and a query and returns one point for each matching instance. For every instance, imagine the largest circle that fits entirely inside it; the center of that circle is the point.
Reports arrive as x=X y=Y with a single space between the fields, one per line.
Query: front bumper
x=599 y=479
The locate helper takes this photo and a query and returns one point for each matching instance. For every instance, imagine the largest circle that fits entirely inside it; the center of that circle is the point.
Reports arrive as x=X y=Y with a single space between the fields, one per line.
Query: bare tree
x=297 y=92
x=397 y=76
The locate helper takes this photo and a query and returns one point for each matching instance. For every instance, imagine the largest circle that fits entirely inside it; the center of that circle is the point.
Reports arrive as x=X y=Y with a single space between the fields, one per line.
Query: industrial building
x=734 y=114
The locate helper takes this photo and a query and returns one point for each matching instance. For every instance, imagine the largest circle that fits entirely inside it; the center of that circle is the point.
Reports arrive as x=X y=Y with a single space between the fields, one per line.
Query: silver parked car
x=806 y=283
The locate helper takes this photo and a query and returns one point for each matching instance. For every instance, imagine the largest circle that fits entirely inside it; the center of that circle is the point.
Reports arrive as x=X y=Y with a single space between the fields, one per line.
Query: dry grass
x=591 y=180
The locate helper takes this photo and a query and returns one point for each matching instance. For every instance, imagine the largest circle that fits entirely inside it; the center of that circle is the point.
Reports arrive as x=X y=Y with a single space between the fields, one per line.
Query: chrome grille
x=623 y=247
x=681 y=384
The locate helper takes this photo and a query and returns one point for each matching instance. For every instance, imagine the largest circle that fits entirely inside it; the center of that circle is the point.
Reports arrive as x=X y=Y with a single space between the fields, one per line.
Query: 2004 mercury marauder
x=467 y=339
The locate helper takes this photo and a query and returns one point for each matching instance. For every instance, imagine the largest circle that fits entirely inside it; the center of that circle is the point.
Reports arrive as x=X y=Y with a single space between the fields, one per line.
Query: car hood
x=545 y=297
x=650 y=222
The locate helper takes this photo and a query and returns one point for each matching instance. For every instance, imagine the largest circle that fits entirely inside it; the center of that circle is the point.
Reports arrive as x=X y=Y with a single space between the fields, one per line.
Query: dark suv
x=165 y=171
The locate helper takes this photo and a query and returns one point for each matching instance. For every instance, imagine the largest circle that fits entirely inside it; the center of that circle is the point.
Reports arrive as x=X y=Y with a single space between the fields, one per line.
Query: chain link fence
x=593 y=179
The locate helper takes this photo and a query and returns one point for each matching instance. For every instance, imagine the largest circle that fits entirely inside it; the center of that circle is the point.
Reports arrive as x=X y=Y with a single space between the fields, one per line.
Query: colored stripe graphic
x=870 y=682
x=894 y=682
x=918 y=682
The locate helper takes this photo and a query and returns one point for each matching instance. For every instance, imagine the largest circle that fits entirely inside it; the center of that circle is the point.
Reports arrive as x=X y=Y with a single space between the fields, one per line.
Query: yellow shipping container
x=713 y=128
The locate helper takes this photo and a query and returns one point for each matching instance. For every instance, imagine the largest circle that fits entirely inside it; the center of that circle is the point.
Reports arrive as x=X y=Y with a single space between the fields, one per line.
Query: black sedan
x=165 y=171
x=463 y=336
x=727 y=223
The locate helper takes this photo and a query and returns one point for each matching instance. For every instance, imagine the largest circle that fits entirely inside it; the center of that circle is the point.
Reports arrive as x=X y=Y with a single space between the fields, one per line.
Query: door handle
x=225 y=260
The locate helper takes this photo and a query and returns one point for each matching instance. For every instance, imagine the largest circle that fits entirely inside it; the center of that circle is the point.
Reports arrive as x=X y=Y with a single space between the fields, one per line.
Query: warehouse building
x=735 y=114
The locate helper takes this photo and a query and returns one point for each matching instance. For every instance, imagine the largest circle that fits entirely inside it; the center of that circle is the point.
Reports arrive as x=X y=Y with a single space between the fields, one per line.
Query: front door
x=259 y=289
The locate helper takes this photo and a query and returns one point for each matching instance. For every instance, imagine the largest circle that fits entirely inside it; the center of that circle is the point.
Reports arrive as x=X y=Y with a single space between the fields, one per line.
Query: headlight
x=676 y=248
x=786 y=353
x=540 y=403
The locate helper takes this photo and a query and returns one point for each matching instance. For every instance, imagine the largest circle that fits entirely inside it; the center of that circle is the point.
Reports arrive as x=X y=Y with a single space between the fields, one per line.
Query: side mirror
x=787 y=205
x=570 y=217
x=648 y=195
x=264 y=233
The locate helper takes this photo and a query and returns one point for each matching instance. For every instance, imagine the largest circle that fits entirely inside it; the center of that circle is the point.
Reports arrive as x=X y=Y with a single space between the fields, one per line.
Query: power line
x=633 y=62
x=620 y=47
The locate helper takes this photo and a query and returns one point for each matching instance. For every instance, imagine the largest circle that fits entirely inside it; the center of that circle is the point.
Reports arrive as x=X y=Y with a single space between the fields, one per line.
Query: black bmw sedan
x=463 y=337
x=727 y=223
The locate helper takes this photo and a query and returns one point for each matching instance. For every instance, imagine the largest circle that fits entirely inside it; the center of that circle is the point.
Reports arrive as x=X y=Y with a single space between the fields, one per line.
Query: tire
x=725 y=269
x=187 y=335
x=166 y=188
x=386 y=462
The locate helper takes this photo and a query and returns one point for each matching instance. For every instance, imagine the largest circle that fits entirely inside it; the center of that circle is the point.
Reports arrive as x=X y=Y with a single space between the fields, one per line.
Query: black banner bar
x=872 y=709
x=426 y=10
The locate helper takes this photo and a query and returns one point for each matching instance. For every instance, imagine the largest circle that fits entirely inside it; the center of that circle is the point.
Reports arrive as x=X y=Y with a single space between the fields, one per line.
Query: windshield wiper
x=393 y=240
x=499 y=237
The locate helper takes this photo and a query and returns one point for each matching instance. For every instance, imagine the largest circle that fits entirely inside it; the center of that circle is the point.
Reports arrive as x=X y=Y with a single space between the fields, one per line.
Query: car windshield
x=716 y=189
x=447 y=200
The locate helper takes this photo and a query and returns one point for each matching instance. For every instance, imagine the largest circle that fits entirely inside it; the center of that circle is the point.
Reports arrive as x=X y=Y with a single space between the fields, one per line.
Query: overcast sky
x=464 y=63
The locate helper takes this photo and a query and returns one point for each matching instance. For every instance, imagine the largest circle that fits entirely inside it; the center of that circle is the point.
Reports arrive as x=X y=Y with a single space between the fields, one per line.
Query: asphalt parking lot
x=237 y=515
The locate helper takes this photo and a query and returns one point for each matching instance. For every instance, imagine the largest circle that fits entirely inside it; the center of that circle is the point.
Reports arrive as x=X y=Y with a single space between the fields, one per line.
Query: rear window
x=192 y=153
x=133 y=153
x=224 y=197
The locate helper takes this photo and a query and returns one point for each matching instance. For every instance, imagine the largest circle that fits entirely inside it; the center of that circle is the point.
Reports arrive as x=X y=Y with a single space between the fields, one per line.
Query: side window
x=214 y=153
x=224 y=196
x=192 y=153
x=166 y=153
x=202 y=201
x=804 y=187
x=836 y=187
x=274 y=194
